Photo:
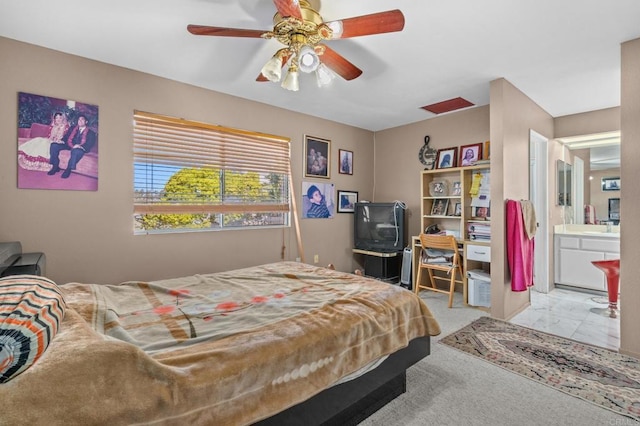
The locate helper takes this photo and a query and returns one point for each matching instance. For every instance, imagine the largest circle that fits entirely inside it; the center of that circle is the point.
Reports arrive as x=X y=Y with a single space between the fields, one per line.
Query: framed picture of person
x=439 y=207
x=456 y=189
x=345 y=162
x=481 y=212
x=57 y=143
x=611 y=184
x=458 y=209
x=318 y=200
x=317 y=157
x=447 y=158
x=347 y=201
x=469 y=154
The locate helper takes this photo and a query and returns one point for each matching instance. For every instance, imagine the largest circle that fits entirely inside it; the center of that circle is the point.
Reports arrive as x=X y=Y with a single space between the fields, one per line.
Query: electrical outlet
x=297 y=259
x=316 y=258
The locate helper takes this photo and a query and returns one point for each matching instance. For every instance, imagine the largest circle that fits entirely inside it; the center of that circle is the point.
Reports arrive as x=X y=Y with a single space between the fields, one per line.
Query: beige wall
x=600 y=121
x=88 y=236
x=513 y=115
x=397 y=163
x=630 y=152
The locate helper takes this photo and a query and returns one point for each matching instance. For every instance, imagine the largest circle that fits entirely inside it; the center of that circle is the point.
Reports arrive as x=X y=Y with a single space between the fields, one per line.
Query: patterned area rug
x=597 y=375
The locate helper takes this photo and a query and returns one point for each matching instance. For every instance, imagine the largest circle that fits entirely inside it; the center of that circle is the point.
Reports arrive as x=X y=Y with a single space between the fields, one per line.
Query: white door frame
x=539 y=195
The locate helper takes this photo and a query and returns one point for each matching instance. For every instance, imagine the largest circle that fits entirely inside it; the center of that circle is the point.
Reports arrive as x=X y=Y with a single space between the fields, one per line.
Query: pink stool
x=611 y=269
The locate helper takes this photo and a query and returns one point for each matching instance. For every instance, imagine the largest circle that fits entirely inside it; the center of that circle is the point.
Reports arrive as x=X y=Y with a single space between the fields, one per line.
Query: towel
x=529 y=218
x=519 y=248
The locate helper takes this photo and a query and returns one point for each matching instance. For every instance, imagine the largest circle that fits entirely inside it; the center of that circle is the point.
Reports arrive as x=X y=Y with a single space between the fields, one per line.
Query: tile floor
x=574 y=315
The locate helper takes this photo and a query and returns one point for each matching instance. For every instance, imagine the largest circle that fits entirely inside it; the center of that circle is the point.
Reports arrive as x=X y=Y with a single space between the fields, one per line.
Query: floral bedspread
x=225 y=348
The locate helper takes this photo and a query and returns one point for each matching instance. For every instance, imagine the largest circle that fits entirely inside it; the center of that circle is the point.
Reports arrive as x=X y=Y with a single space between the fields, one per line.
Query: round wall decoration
x=427 y=155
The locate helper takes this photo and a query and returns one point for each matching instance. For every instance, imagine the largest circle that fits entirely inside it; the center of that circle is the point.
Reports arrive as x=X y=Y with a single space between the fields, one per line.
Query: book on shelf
x=479 y=231
x=479 y=237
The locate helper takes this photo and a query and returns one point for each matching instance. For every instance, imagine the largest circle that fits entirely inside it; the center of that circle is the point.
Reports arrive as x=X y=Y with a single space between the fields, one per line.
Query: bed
x=282 y=343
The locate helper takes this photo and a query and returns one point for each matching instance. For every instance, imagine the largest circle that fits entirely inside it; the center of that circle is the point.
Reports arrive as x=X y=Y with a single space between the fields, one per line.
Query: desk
x=381 y=265
x=415 y=261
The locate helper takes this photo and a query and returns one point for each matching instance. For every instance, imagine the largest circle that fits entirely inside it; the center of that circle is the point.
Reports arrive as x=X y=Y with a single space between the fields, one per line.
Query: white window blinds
x=192 y=175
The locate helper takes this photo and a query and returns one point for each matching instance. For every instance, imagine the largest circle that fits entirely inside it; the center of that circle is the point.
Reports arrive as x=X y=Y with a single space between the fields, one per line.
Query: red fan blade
x=288 y=8
x=261 y=77
x=224 y=32
x=339 y=64
x=376 y=23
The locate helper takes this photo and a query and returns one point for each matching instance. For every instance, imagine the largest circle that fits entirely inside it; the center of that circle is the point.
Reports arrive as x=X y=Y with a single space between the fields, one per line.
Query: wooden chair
x=450 y=264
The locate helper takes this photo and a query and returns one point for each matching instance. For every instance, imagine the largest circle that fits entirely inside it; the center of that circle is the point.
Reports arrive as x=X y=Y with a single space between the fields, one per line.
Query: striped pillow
x=31 y=310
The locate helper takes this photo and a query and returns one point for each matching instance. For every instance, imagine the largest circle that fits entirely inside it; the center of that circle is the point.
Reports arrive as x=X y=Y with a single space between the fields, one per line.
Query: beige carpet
x=600 y=376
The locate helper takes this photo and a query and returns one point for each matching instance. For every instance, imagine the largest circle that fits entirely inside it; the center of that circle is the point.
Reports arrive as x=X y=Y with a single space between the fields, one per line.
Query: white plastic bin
x=479 y=288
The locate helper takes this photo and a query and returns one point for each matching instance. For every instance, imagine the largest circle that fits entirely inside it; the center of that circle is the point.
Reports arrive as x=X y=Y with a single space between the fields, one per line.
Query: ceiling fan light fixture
x=336 y=28
x=272 y=70
x=324 y=75
x=291 y=80
x=308 y=59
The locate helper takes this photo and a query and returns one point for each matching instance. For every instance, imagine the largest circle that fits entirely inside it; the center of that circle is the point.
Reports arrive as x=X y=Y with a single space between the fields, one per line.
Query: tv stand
x=384 y=266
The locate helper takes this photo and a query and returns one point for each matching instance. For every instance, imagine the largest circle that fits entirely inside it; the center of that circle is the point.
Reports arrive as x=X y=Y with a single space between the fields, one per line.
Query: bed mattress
x=226 y=348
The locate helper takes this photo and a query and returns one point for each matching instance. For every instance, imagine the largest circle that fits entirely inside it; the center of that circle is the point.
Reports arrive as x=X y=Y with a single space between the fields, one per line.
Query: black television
x=380 y=227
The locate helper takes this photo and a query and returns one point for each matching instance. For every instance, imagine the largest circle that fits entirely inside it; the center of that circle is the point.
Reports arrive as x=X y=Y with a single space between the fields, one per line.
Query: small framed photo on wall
x=317 y=157
x=347 y=201
x=611 y=184
x=447 y=158
x=317 y=200
x=345 y=159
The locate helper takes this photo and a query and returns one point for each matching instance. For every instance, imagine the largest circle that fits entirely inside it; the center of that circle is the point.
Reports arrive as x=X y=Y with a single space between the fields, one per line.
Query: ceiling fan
x=302 y=31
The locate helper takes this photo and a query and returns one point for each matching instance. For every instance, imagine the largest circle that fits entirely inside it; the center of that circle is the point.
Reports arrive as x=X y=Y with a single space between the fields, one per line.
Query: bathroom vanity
x=575 y=246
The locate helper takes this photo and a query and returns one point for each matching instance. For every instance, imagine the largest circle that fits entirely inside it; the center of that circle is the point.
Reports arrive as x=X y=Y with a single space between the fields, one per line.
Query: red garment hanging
x=519 y=248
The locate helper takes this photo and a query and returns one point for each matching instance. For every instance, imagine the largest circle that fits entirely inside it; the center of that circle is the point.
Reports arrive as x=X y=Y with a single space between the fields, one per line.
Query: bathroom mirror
x=563 y=183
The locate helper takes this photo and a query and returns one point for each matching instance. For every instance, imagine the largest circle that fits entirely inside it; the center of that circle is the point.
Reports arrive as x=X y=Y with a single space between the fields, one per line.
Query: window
x=196 y=176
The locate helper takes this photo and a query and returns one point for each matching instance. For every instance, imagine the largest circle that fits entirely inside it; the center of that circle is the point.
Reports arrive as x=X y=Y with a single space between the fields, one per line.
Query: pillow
x=31 y=310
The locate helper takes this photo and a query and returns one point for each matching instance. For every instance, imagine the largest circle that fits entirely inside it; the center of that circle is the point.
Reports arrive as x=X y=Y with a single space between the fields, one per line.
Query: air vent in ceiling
x=448 y=106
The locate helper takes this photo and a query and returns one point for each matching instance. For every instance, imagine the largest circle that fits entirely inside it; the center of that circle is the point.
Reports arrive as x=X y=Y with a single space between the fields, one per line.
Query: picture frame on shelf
x=347 y=201
x=470 y=154
x=457 y=211
x=456 y=189
x=447 y=158
x=440 y=207
x=438 y=188
x=345 y=162
x=486 y=153
x=611 y=184
x=317 y=157
x=481 y=213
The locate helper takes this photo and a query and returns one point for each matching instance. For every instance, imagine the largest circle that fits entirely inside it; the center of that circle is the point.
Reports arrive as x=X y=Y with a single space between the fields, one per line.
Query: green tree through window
x=193 y=176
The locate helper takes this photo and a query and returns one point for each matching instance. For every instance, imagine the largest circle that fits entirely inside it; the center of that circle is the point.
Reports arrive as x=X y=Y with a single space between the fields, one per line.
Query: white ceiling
x=564 y=54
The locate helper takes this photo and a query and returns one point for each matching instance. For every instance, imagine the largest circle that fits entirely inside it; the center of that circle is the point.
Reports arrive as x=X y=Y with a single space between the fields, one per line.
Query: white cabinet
x=573 y=257
x=477 y=263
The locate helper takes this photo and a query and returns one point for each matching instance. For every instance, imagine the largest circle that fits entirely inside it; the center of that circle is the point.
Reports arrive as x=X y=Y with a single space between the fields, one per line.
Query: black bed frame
x=351 y=402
